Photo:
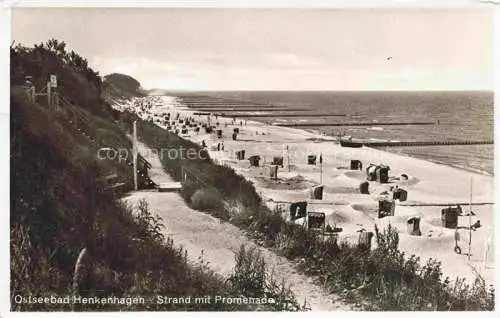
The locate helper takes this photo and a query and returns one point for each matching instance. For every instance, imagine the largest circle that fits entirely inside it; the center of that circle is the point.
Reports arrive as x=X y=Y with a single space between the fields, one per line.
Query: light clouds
x=276 y=49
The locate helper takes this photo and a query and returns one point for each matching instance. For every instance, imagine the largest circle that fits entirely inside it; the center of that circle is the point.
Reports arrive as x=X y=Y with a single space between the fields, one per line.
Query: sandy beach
x=430 y=186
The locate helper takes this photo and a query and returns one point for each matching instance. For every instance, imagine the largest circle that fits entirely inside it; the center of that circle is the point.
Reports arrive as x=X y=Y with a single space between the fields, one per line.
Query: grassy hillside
x=59 y=207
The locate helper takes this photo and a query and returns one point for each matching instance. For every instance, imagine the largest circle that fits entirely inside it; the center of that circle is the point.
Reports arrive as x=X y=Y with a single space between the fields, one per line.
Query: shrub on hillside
x=207 y=199
x=252 y=277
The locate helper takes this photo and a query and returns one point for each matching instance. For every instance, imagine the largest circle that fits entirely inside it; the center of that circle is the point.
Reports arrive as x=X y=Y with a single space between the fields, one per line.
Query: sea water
x=461 y=116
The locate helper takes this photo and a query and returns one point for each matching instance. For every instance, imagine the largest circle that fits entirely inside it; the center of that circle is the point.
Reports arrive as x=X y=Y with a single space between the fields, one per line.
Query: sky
x=275 y=49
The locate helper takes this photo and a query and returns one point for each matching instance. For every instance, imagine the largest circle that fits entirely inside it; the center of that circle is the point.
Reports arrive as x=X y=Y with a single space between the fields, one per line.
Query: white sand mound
x=356 y=174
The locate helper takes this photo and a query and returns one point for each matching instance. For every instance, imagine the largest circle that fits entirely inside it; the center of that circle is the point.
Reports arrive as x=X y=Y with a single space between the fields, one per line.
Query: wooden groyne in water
x=358 y=124
x=279 y=115
x=376 y=144
x=247 y=109
x=464 y=204
x=228 y=105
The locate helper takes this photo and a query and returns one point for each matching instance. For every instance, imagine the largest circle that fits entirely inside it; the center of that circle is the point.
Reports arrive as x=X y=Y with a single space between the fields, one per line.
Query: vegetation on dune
x=382 y=279
x=121 y=85
x=60 y=211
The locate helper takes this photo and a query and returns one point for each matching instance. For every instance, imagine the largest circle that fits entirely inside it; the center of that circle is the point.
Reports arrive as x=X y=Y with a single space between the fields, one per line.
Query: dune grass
x=381 y=279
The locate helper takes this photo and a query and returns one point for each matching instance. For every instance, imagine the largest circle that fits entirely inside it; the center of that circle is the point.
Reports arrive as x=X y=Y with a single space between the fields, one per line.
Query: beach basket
x=219 y=133
x=386 y=208
x=400 y=194
x=316 y=221
x=197 y=129
x=382 y=174
x=272 y=171
x=298 y=210
x=254 y=161
x=371 y=172
x=278 y=161
x=317 y=192
x=311 y=160
x=364 y=187
x=365 y=240
x=236 y=130
x=413 y=226
x=234 y=136
x=240 y=154
x=184 y=131
x=208 y=130
x=449 y=217
x=356 y=165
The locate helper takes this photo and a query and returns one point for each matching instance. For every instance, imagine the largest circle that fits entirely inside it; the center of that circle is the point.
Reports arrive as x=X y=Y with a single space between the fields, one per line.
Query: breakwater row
x=279 y=115
x=358 y=124
x=427 y=143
